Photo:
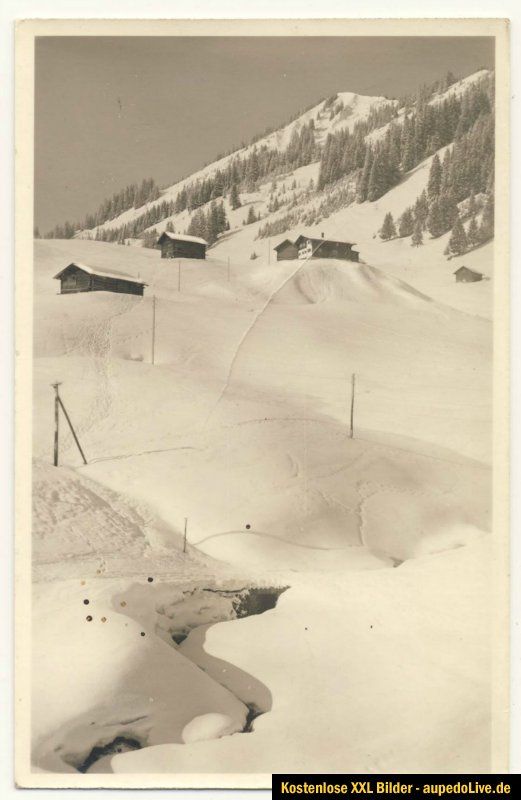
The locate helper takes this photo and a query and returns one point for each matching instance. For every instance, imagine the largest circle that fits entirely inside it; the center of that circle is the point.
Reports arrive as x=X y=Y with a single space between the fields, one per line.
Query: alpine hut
x=311 y=247
x=466 y=275
x=78 y=277
x=286 y=251
x=180 y=245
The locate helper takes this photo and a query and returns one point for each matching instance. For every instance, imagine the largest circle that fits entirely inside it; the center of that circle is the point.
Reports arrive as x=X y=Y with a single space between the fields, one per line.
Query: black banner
x=476 y=787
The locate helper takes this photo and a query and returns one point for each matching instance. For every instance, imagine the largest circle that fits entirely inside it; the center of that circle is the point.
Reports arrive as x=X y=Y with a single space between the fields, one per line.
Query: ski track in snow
x=266 y=535
x=247 y=332
x=95 y=338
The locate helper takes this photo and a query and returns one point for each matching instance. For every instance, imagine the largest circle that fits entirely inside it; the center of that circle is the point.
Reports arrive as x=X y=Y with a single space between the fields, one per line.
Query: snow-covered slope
x=426 y=267
x=241 y=427
x=350 y=109
x=248 y=400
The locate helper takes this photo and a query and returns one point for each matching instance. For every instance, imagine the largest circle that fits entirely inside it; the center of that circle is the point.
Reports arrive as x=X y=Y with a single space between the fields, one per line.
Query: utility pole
x=351 y=427
x=58 y=403
x=154 y=329
x=269 y=251
x=184 y=538
x=178 y=276
x=228 y=269
x=56 y=422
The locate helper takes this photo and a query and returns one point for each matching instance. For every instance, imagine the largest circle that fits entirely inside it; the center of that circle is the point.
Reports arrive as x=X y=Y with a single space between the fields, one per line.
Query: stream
x=181 y=617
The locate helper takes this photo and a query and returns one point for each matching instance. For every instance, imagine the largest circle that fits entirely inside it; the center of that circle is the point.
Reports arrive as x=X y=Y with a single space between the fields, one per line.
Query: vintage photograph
x=259 y=333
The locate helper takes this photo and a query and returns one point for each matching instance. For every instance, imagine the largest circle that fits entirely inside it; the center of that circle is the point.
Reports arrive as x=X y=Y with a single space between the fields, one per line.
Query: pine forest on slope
x=363 y=147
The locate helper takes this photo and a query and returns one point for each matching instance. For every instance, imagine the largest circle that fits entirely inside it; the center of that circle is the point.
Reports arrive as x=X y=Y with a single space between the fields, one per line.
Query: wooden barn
x=310 y=247
x=179 y=245
x=466 y=275
x=286 y=251
x=81 y=278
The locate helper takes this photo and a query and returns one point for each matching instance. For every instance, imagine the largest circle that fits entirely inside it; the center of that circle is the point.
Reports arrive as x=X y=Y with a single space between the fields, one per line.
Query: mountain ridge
x=341 y=111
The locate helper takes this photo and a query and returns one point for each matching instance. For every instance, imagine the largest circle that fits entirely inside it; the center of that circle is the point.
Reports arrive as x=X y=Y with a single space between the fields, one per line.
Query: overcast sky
x=111 y=111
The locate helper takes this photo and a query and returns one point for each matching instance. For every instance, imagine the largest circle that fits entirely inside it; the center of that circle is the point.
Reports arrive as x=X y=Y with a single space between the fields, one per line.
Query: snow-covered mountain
x=341 y=112
x=288 y=202
x=346 y=110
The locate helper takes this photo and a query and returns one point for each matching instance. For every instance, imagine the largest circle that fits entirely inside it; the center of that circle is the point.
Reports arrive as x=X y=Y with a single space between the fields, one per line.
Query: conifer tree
x=251 y=216
x=406 y=223
x=473 y=233
x=235 y=200
x=388 y=229
x=434 y=184
x=150 y=238
x=408 y=144
x=421 y=209
x=253 y=171
x=458 y=239
x=446 y=170
x=435 y=220
x=363 y=183
x=449 y=79
x=392 y=158
x=212 y=224
x=417 y=236
x=448 y=210
x=473 y=206
x=378 y=178
x=486 y=230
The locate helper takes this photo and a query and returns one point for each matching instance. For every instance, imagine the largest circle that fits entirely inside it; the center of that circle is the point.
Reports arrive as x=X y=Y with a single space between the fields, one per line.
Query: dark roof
x=103 y=273
x=183 y=237
x=467 y=269
x=286 y=241
x=321 y=240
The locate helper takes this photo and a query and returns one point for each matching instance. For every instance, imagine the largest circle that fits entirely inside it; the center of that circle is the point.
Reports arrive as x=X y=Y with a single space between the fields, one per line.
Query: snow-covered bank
x=380 y=671
x=110 y=677
x=106 y=671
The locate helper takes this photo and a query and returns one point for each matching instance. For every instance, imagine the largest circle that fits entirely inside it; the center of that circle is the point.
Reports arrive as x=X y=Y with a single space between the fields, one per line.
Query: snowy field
x=241 y=426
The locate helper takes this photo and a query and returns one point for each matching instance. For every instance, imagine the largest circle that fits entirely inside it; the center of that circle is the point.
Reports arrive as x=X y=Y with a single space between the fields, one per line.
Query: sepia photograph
x=262 y=315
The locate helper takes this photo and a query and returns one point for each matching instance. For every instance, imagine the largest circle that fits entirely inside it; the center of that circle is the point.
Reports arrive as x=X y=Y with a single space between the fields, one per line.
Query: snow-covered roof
x=468 y=269
x=284 y=241
x=183 y=237
x=101 y=272
x=315 y=238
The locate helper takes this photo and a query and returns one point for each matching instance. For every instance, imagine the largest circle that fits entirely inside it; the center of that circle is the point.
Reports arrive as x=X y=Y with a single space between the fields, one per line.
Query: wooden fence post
x=351 y=425
x=154 y=329
x=58 y=403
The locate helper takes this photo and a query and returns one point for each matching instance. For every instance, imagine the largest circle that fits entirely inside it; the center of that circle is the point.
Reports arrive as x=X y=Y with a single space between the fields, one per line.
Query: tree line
x=132 y=196
x=380 y=165
x=460 y=185
x=242 y=173
x=210 y=223
x=373 y=166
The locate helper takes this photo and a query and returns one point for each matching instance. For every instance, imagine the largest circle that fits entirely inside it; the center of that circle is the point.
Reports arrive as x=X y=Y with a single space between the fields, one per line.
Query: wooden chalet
x=78 y=277
x=466 y=275
x=311 y=247
x=286 y=251
x=180 y=245
x=305 y=247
